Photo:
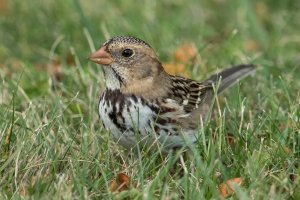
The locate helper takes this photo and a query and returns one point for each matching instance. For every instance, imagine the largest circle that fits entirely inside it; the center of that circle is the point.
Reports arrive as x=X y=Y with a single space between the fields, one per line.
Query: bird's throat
x=112 y=79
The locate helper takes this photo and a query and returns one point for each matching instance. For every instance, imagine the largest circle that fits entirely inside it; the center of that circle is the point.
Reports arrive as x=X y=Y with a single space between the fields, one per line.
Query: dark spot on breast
x=113 y=98
x=166 y=130
x=175 y=130
x=154 y=108
x=113 y=118
x=134 y=98
x=128 y=103
x=143 y=101
x=120 y=117
x=103 y=125
x=157 y=129
x=131 y=129
x=161 y=121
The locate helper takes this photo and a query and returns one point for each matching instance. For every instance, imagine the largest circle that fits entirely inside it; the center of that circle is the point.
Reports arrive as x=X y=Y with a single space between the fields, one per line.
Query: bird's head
x=129 y=64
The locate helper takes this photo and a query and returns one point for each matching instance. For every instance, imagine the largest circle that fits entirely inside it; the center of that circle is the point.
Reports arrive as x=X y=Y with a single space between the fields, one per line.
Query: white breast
x=132 y=121
x=133 y=126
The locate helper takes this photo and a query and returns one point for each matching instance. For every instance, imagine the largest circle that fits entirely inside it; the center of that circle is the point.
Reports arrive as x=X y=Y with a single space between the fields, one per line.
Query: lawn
x=52 y=145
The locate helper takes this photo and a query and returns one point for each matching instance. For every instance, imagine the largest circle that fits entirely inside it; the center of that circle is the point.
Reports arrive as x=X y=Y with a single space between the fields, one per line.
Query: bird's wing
x=191 y=94
x=177 y=109
x=188 y=93
x=189 y=101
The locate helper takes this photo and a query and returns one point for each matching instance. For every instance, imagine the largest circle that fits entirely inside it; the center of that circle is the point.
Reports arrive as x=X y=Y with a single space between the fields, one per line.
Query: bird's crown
x=126 y=40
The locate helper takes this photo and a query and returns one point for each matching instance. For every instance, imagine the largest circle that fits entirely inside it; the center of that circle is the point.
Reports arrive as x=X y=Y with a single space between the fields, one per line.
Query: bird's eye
x=127 y=53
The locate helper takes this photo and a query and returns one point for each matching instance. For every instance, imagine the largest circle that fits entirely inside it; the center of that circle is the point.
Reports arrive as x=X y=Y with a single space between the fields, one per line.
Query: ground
x=53 y=145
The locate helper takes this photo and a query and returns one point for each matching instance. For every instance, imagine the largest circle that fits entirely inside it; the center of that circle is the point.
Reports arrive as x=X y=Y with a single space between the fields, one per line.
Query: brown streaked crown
x=126 y=40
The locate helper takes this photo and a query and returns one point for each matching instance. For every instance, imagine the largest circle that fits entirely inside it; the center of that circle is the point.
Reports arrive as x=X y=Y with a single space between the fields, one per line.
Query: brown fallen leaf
x=120 y=184
x=3 y=6
x=185 y=53
x=23 y=191
x=54 y=70
x=70 y=59
x=176 y=69
x=182 y=57
x=262 y=10
x=295 y=178
x=287 y=150
x=251 y=46
x=25 y=187
x=230 y=139
x=226 y=188
x=283 y=125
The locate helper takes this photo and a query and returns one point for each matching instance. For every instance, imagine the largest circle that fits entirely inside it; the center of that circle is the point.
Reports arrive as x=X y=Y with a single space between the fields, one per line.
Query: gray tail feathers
x=230 y=76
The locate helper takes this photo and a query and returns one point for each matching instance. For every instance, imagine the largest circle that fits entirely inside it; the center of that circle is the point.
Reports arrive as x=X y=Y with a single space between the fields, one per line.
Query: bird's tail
x=230 y=76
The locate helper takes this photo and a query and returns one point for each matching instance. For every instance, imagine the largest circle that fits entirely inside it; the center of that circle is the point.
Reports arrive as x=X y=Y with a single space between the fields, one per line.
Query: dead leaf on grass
x=176 y=69
x=120 y=184
x=185 y=53
x=227 y=189
x=182 y=57
x=251 y=46
x=230 y=139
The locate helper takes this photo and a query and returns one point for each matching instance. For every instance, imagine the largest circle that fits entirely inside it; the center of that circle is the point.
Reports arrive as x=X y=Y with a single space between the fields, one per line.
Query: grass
x=51 y=142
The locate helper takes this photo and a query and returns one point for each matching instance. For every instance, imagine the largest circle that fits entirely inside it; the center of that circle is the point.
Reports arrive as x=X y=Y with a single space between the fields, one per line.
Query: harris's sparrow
x=142 y=103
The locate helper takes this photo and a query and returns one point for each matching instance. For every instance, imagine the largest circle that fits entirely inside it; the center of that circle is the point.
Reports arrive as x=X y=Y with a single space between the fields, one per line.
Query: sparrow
x=143 y=104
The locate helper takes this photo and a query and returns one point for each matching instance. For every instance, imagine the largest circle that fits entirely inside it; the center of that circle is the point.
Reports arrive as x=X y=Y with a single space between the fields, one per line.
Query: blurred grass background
x=52 y=144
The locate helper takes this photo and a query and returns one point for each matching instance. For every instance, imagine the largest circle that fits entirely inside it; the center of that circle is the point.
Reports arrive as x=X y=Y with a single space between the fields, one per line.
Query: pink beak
x=101 y=56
